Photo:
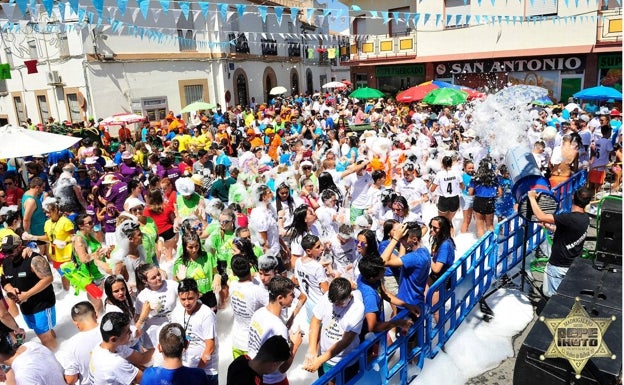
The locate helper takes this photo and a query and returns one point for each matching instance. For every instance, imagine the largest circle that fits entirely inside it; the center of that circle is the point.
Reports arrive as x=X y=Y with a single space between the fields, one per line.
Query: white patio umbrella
x=334 y=85
x=17 y=142
x=278 y=90
x=122 y=119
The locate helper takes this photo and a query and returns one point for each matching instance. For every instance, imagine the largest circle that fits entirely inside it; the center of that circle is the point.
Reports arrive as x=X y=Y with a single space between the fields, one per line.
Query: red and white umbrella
x=122 y=119
x=334 y=85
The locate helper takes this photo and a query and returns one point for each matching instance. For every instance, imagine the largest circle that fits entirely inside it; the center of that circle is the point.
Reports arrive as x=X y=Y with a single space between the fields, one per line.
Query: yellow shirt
x=184 y=140
x=60 y=234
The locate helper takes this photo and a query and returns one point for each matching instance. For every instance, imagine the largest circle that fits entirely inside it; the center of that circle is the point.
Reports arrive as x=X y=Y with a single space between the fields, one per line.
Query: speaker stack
x=609 y=235
x=600 y=293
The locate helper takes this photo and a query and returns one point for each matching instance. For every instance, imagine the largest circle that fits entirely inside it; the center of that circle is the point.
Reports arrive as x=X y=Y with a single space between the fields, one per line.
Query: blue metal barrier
x=494 y=255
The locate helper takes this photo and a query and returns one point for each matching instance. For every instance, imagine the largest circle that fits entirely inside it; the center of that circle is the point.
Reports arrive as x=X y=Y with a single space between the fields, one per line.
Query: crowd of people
x=271 y=209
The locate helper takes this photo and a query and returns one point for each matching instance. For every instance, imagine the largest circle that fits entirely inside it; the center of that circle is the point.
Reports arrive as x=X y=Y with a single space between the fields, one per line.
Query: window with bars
x=193 y=93
x=44 y=111
x=63 y=45
x=19 y=109
x=73 y=107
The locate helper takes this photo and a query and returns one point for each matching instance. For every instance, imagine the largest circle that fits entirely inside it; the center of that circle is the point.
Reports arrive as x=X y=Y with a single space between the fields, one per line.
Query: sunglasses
x=361 y=243
x=307 y=168
x=8 y=183
x=87 y=222
x=436 y=228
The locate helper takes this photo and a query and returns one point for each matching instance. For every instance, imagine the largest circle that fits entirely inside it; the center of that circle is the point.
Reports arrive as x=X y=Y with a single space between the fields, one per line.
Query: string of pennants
x=111 y=18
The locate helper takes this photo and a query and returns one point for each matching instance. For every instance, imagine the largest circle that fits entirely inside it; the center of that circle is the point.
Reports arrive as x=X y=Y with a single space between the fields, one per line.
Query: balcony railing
x=241 y=44
x=269 y=47
x=381 y=46
x=609 y=26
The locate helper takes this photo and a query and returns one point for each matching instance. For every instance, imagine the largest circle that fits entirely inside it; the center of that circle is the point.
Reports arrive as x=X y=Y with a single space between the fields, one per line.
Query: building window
x=155 y=109
x=44 y=111
x=458 y=9
x=63 y=45
x=193 y=93
x=241 y=89
x=186 y=41
x=19 y=109
x=540 y=8
x=400 y=28
x=32 y=46
x=294 y=83
x=309 y=82
x=73 y=107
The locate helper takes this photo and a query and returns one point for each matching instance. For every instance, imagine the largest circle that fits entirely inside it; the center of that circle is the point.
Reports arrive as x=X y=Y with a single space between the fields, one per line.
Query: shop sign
x=610 y=61
x=519 y=65
x=393 y=71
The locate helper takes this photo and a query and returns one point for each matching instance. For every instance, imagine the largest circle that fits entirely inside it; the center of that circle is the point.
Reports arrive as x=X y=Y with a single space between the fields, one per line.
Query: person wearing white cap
x=188 y=202
x=128 y=168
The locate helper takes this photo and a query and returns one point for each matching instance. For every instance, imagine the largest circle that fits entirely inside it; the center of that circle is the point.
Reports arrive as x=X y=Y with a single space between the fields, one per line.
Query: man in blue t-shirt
x=172 y=342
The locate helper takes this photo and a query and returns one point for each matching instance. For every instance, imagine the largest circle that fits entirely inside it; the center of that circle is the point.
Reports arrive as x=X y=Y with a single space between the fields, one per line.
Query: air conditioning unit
x=54 y=79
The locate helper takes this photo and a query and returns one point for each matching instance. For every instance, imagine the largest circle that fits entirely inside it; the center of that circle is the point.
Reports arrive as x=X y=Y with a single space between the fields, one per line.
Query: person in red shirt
x=186 y=164
x=13 y=192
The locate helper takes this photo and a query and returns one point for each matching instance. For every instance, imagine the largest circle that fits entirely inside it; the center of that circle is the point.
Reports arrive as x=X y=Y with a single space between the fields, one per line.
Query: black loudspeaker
x=600 y=293
x=609 y=237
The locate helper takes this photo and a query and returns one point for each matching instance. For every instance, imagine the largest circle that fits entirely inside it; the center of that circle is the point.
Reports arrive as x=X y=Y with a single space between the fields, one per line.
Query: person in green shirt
x=219 y=243
x=148 y=229
x=196 y=263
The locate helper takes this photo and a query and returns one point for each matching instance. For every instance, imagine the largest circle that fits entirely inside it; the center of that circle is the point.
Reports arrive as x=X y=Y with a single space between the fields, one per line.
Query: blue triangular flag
x=374 y=14
x=121 y=6
x=293 y=14
x=500 y=19
x=204 y=8
x=326 y=12
x=309 y=13
x=48 y=5
x=567 y=3
x=507 y=19
x=416 y=19
x=164 y=4
x=493 y=2
x=240 y=9
x=61 y=6
x=356 y=8
x=427 y=16
x=73 y=4
x=223 y=8
x=479 y=2
x=448 y=20
x=144 y=7
x=458 y=19
x=395 y=17
x=384 y=14
x=278 y=14
x=478 y=19
x=262 y=10
x=438 y=17
x=468 y=17
x=185 y=7
x=23 y=6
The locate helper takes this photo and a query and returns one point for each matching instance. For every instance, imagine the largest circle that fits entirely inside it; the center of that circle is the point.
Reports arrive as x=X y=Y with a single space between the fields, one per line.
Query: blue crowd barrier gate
x=460 y=289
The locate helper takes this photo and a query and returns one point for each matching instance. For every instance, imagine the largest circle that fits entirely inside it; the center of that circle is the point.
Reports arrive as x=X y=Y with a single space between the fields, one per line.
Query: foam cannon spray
x=526 y=176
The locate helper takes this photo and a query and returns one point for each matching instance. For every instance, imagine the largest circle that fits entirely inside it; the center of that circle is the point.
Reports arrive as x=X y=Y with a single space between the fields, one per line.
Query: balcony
x=383 y=46
x=609 y=26
x=241 y=45
x=294 y=48
x=268 y=47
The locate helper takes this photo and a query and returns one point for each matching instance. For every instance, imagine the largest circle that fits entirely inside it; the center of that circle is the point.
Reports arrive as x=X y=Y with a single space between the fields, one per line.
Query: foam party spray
x=526 y=176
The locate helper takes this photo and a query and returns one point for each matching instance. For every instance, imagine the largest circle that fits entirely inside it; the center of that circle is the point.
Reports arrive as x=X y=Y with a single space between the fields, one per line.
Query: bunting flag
x=416 y=18
x=310 y=55
x=164 y=4
x=331 y=53
x=5 y=71
x=374 y=14
x=448 y=20
x=293 y=15
x=309 y=13
x=31 y=66
x=395 y=17
x=9 y=10
x=204 y=8
x=262 y=10
x=48 y=5
x=438 y=17
x=23 y=6
x=223 y=8
x=144 y=7
x=427 y=17
x=384 y=14
x=61 y=11
x=185 y=8
x=278 y=14
x=240 y=9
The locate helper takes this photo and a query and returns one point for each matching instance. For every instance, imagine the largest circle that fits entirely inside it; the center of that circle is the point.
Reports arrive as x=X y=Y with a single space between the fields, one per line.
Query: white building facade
x=152 y=59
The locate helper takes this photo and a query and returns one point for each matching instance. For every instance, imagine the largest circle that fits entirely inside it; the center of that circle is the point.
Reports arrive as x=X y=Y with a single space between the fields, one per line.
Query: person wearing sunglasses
x=442 y=252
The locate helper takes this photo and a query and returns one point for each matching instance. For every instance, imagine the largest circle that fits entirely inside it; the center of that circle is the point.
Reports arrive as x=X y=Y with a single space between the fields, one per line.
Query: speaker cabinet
x=609 y=236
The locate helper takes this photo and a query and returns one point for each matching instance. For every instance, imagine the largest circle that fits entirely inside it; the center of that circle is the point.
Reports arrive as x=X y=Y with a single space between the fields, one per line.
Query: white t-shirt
x=603 y=149
x=327 y=225
x=310 y=275
x=74 y=353
x=412 y=191
x=358 y=187
x=162 y=302
x=335 y=321
x=263 y=326
x=106 y=368
x=37 y=366
x=264 y=219
x=199 y=326
x=448 y=183
x=246 y=298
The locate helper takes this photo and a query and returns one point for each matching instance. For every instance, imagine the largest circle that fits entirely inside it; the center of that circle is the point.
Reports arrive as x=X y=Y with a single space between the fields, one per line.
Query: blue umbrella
x=599 y=93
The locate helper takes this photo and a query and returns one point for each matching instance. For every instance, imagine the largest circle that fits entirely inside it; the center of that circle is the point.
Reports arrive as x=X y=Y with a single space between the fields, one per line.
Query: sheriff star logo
x=577 y=337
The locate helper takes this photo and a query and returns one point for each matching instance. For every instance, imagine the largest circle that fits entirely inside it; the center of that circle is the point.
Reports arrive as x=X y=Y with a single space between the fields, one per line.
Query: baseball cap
x=10 y=242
